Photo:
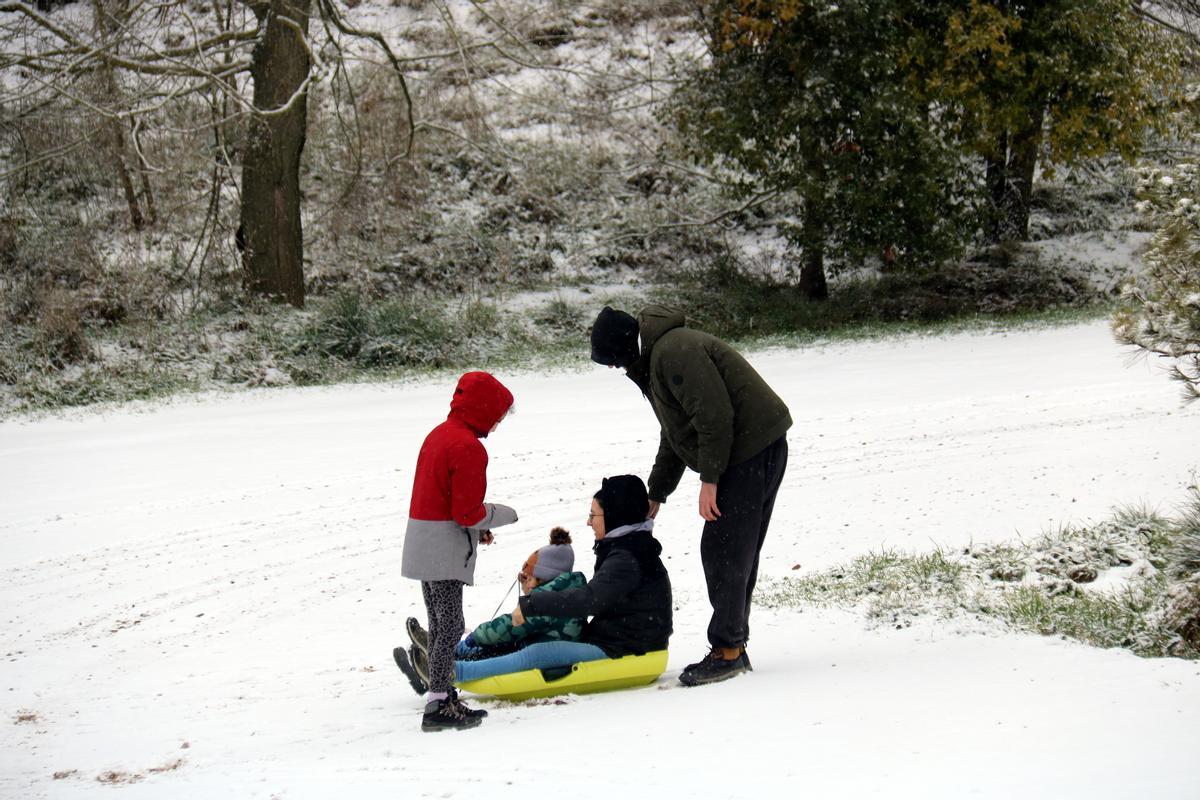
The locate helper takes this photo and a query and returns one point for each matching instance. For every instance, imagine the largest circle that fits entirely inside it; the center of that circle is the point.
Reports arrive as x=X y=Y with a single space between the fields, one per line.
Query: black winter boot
x=419 y=636
x=470 y=712
x=714 y=667
x=406 y=666
x=447 y=715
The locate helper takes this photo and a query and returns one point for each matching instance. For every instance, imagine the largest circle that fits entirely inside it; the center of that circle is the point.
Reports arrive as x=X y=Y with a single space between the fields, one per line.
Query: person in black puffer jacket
x=628 y=597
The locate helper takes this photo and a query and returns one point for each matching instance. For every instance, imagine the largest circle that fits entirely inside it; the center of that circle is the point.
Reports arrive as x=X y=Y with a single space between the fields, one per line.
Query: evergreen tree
x=1162 y=312
x=815 y=100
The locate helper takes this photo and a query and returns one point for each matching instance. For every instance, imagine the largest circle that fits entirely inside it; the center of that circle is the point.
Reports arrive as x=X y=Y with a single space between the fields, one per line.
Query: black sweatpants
x=444 y=605
x=729 y=547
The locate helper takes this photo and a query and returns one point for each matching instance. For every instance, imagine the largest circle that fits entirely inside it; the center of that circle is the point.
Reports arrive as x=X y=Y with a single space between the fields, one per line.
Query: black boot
x=713 y=668
x=470 y=712
x=447 y=715
x=419 y=685
x=419 y=636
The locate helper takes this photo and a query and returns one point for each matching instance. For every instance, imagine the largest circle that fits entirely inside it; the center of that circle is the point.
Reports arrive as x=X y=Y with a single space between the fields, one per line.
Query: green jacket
x=713 y=407
x=536 y=629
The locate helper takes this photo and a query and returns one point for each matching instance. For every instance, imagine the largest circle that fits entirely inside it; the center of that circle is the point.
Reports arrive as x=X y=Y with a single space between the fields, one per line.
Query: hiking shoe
x=419 y=685
x=713 y=668
x=447 y=715
x=470 y=712
x=419 y=636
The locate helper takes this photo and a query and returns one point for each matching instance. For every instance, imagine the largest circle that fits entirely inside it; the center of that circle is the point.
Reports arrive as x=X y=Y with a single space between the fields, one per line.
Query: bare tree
x=146 y=56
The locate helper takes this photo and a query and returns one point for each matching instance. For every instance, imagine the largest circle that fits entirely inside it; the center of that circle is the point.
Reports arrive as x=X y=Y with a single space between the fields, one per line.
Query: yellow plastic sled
x=584 y=677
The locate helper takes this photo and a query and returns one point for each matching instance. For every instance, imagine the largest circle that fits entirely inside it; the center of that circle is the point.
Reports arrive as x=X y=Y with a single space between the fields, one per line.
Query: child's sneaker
x=447 y=715
x=419 y=685
x=419 y=636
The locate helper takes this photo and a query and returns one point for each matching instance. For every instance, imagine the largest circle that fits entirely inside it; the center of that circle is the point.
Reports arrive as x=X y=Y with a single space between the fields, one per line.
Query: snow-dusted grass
x=1106 y=584
x=200 y=598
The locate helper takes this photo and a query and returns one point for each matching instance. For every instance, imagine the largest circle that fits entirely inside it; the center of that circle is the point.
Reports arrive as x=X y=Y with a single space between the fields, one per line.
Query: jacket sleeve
x=617 y=577
x=696 y=384
x=668 y=469
x=495 y=515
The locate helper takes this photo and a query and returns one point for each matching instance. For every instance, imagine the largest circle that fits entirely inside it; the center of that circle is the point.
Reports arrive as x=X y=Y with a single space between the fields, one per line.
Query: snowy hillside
x=200 y=599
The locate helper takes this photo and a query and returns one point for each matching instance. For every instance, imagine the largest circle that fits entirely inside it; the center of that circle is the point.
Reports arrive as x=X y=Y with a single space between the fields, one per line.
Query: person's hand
x=517 y=617
x=486 y=537
x=708 y=502
x=654 y=506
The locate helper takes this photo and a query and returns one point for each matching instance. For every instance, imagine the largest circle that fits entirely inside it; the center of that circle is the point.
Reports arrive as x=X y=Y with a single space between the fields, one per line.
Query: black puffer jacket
x=628 y=598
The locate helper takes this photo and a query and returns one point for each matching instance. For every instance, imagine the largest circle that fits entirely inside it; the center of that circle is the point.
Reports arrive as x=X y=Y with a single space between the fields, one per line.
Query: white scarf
x=645 y=525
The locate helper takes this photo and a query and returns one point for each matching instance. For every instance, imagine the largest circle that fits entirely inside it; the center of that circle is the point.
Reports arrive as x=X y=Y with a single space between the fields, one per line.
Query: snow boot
x=419 y=636
x=447 y=715
x=470 y=712
x=414 y=678
x=715 y=667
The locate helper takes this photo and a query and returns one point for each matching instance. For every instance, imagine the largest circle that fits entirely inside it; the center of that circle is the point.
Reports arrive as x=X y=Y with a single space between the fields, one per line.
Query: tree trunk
x=1010 y=170
x=813 y=285
x=144 y=174
x=116 y=140
x=115 y=135
x=270 y=216
x=1023 y=163
x=997 y=180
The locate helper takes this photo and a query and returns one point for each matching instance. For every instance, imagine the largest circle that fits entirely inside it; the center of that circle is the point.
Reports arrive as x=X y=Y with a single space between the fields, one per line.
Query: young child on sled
x=547 y=569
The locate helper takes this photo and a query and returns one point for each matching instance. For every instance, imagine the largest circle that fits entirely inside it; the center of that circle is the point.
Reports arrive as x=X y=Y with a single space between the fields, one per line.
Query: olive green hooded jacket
x=713 y=407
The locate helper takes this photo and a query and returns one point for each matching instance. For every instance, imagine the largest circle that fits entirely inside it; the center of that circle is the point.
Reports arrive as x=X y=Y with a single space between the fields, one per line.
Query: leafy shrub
x=728 y=300
x=561 y=316
x=393 y=333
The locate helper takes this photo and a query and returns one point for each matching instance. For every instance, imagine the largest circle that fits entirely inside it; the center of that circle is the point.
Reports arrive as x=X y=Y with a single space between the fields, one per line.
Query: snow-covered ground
x=200 y=598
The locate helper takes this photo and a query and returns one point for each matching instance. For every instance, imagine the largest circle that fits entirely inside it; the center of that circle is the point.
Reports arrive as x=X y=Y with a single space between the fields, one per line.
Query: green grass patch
x=354 y=335
x=1128 y=582
x=101 y=384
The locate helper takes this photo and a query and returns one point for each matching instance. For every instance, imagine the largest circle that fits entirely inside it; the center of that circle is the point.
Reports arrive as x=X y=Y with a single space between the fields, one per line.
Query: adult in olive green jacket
x=720 y=418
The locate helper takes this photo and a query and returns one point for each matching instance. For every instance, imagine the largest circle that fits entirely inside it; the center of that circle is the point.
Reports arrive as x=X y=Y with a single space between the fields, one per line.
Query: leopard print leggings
x=444 y=605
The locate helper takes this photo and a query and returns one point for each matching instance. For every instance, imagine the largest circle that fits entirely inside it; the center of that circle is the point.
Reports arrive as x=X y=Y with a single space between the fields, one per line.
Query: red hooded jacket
x=451 y=475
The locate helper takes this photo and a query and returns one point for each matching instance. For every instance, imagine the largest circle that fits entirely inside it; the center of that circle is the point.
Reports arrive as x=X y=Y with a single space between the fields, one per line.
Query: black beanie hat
x=624 y=501
x=614 y=338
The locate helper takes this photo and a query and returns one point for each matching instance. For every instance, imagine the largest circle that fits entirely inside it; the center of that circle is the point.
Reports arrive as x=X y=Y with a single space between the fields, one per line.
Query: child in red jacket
x=447 y=518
